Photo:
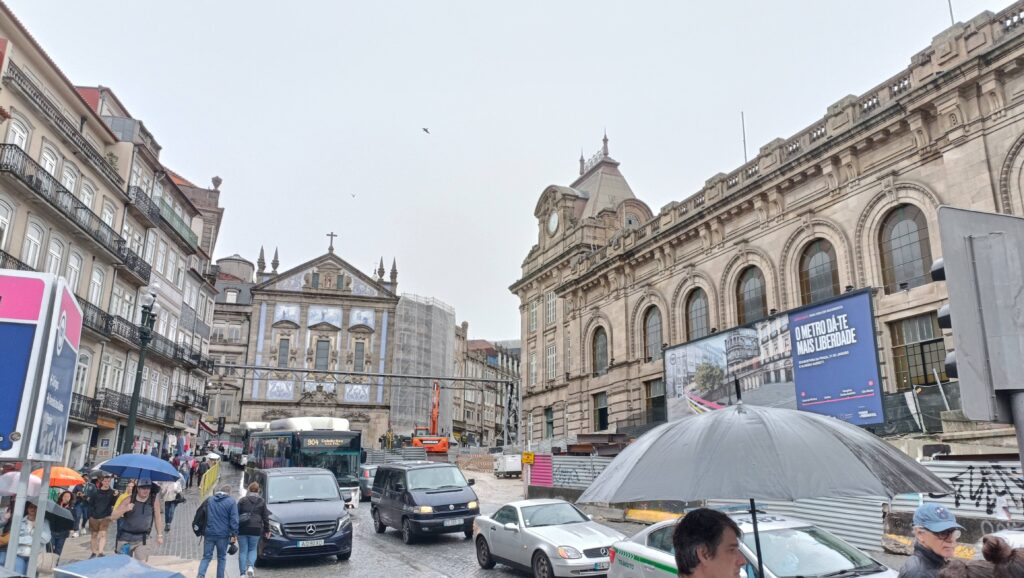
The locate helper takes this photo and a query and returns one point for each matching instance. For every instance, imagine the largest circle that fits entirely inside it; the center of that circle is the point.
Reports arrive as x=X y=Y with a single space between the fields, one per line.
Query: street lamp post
x=150 y=310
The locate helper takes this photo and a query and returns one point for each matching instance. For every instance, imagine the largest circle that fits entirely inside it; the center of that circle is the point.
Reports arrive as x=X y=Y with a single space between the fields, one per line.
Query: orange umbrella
x=61 y=476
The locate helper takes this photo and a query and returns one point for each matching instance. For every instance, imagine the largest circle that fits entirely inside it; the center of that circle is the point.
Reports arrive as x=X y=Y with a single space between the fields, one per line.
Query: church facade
x=847 y=203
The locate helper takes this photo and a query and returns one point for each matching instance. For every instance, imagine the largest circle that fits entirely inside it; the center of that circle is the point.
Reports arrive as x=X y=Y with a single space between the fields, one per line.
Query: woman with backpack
x=253 y=522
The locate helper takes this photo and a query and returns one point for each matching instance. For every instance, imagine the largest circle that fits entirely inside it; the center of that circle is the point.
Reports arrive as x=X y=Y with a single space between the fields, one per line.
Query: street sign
x=528 y=457
x=24 y=307
x=983 y=264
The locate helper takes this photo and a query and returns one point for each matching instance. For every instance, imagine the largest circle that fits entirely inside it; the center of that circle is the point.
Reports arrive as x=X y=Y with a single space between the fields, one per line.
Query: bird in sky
x=353 y=195
x=426 y=130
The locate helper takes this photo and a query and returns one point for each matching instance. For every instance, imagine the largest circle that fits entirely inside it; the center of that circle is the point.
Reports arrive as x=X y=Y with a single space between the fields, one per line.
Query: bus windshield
x=339 y=454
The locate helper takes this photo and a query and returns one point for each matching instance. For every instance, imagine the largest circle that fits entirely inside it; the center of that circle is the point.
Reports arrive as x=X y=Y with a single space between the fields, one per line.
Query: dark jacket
x=221 y=516
x=923 y=563
x=101 y=503
x=258 y=516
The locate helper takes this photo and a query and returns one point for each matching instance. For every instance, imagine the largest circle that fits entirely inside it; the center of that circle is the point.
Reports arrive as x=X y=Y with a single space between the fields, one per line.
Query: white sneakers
x=249 y=572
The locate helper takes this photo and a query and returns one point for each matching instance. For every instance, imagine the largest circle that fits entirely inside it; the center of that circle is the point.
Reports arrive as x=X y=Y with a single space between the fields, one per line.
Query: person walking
x=221 y=529
x=253 y=522
x=101 y=506
x=139 y=513
x=67 y=501
x=204 y=467
x=935 y=535
x=170 y=495
x=193 y=479
x=186 y=473
x=81 y=510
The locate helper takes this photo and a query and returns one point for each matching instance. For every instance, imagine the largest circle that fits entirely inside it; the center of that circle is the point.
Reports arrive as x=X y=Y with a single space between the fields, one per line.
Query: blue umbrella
x=119 y=565
x=140 y=466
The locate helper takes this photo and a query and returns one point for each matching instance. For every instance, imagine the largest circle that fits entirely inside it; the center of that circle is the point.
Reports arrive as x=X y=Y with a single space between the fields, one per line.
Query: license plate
x=308 y=543
x=455 y=522
x=600 y=566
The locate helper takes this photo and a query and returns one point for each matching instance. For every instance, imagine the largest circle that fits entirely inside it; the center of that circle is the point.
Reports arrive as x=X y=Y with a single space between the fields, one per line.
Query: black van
x=423 y=498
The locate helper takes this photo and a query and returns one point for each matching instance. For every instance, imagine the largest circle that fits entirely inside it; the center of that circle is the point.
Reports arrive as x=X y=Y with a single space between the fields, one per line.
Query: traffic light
x=983 y=266
x=220 y=424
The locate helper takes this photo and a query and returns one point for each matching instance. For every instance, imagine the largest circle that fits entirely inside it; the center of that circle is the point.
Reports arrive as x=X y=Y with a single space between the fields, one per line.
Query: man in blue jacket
x=221 y=528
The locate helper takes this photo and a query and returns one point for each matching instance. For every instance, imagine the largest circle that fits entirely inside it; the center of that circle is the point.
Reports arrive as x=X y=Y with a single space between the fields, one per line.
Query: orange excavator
x=427 y=438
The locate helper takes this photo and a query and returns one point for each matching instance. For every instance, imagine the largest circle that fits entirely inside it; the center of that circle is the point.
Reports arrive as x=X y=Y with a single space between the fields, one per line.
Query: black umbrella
x=753 y=452
x=60 y=518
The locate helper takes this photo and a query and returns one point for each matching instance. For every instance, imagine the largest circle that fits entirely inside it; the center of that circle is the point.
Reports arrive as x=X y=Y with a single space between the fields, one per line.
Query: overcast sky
x=299 y=106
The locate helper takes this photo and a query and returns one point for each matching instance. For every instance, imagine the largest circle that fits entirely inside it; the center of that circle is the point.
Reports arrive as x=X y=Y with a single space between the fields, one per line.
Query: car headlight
x=424 y=510
x=343 y=523
x=473 y=505
x=568 y=553
x=275 y=528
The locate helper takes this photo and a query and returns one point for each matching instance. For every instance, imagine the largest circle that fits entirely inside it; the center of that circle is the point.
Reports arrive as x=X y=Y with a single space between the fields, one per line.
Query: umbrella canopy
x=60 y=519
x=62 y=477
x=140 y=466
x=756 y=452
x=119 y=565
x=212 y=456
x=9 y=484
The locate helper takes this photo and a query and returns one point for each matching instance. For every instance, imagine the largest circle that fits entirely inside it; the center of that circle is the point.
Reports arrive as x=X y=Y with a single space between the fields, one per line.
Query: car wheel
x=345 y=556
x=408 y=535
x=542 y=566
x=378 y=525
x=483 y=554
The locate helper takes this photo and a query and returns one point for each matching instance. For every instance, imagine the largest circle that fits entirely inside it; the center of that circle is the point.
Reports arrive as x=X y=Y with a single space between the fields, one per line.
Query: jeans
x=209 y=542
x=169 y=508
x=81 y=515
x=20 y=562
x=58 y=539
x=247 y=552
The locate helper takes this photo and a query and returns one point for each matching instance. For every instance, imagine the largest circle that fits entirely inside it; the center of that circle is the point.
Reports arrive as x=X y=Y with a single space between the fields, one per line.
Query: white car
x=548 y=537
x=790 y=548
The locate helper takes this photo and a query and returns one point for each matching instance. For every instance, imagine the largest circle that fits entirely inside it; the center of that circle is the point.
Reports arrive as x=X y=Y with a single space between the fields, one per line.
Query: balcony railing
x=7 y=261
x=118 y=402
x=19 y=79
x=179 y=225
x=83 y=408
x=15 y=161
x=144 y=204
x=192 y=398
x=163 y=346
x=121 y=327
x=95 y=318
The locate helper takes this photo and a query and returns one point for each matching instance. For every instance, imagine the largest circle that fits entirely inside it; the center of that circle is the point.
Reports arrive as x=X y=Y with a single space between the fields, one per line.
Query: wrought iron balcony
x=95 y=318
x=7 y=261
x=179 y=226
x=124 y=329
x=15 y=162
x=23 y=83
x=192 y=398
x=144 y=205
x=163 y=346
x=117 y=402
x=83 y=408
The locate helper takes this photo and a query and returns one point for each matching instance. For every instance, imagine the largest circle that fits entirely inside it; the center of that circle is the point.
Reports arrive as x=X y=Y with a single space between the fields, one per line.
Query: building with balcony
x=229 y=343
x=478 y=407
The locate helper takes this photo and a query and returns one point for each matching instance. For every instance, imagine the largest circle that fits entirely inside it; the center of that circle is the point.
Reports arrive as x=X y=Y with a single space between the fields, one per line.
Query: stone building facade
x=478 y=407
x=848 y=202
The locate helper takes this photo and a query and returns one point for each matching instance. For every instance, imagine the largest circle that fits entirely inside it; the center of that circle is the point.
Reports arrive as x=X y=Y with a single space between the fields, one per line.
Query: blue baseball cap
x=935 y=518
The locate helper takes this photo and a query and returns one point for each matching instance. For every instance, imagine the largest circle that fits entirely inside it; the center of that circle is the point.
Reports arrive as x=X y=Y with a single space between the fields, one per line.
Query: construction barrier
x=209 y=480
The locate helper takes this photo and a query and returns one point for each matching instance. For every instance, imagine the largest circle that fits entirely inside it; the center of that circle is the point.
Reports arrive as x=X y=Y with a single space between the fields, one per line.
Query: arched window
x=74 y=273
x=69 y=178
x=906 y=252
x=599 y=351
x=819 y=275
x=86 y=194
x=697 y=321
x=751 y=297
x=6 y=216
x=33 y=243
x=81 y=386
x=49 y=161
x=55 y=257
x=652 y=334
x=17 y=134
x=96 y=287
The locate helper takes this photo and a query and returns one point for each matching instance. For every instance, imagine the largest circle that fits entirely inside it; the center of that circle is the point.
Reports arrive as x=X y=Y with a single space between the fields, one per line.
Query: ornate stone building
x=323 y=314
x=848 y=202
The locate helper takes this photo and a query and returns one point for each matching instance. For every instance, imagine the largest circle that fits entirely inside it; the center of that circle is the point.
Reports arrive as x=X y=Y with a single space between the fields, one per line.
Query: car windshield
x=302 y=488
x=552 y=515
x=808 y=552
x=436 y=478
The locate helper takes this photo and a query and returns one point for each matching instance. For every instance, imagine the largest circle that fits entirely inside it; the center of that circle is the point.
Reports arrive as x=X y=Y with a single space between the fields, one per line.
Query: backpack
x=199 y=520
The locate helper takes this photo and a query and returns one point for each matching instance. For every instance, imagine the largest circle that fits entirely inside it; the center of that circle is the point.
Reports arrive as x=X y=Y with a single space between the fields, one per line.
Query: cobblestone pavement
x=376 y=556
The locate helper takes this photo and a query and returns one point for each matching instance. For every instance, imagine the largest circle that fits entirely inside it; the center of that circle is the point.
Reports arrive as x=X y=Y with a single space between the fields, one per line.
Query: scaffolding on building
x=425 y=346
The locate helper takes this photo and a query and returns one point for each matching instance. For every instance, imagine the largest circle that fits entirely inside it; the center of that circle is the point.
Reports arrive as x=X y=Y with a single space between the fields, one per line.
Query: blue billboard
x=53 y=405
x=835 y=360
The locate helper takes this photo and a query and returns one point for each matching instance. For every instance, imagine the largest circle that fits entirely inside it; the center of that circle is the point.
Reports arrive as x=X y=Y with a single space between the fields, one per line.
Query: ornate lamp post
x=150 y=310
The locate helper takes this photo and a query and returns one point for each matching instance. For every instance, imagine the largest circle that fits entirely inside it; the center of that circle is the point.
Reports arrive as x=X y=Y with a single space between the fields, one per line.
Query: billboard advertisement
x=839 y=377
x=53 y=405
x=24 y=307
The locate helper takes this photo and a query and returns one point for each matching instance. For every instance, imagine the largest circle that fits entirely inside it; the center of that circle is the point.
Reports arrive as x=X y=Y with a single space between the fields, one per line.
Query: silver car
x=790 y=548
x=548 y=537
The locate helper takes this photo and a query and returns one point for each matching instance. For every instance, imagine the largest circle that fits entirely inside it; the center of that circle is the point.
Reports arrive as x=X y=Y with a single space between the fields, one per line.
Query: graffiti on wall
x=984 y=484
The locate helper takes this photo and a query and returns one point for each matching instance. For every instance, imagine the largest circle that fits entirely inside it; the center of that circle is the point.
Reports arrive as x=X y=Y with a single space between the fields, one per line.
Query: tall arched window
x=751 y=297
x=74 y=273
x=599 y=351
x=6 y=216
x=652 y=334
x=819 y=275
x=108 y=213
x=49 y=161
x=96 y=287
x=33 y=243
x=697 y=321
x=55 y=257
x=17 y=134
x=86 y=194
x=906 y=252
x=69 y=178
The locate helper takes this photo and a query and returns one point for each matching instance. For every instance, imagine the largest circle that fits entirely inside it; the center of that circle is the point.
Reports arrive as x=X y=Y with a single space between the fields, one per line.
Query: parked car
x=790 y=548
x=366 y=473
x=421 y=497
x=308 y=517
x=547 y=537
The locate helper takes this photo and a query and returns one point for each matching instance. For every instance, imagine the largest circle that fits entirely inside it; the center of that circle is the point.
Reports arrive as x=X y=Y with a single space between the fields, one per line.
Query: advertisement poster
x=835 y=360
x=24 y=305
x=53 y=406
x=771 y=371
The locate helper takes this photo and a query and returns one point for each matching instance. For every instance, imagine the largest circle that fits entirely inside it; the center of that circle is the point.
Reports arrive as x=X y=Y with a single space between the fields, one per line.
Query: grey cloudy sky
x=300 y=105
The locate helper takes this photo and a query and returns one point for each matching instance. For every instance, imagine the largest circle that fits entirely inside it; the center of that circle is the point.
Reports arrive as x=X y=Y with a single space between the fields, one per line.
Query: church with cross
x=302 y=325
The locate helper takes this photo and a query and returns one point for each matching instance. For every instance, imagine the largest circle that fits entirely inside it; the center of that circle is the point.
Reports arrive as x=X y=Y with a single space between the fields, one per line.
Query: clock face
x=553 y=223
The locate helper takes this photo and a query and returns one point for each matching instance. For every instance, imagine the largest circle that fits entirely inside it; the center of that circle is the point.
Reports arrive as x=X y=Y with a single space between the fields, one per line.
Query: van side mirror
x=470 y=482
x=512 y=527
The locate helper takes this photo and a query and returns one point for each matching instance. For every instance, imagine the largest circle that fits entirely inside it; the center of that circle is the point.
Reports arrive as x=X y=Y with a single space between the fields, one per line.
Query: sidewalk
x=181 y=550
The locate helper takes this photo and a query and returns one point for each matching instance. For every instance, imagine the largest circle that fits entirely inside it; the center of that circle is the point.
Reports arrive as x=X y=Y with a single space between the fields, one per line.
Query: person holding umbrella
x=66 y=501
x=23 y=544
x=935 y=534
x=707 y=545
x=140 y=513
